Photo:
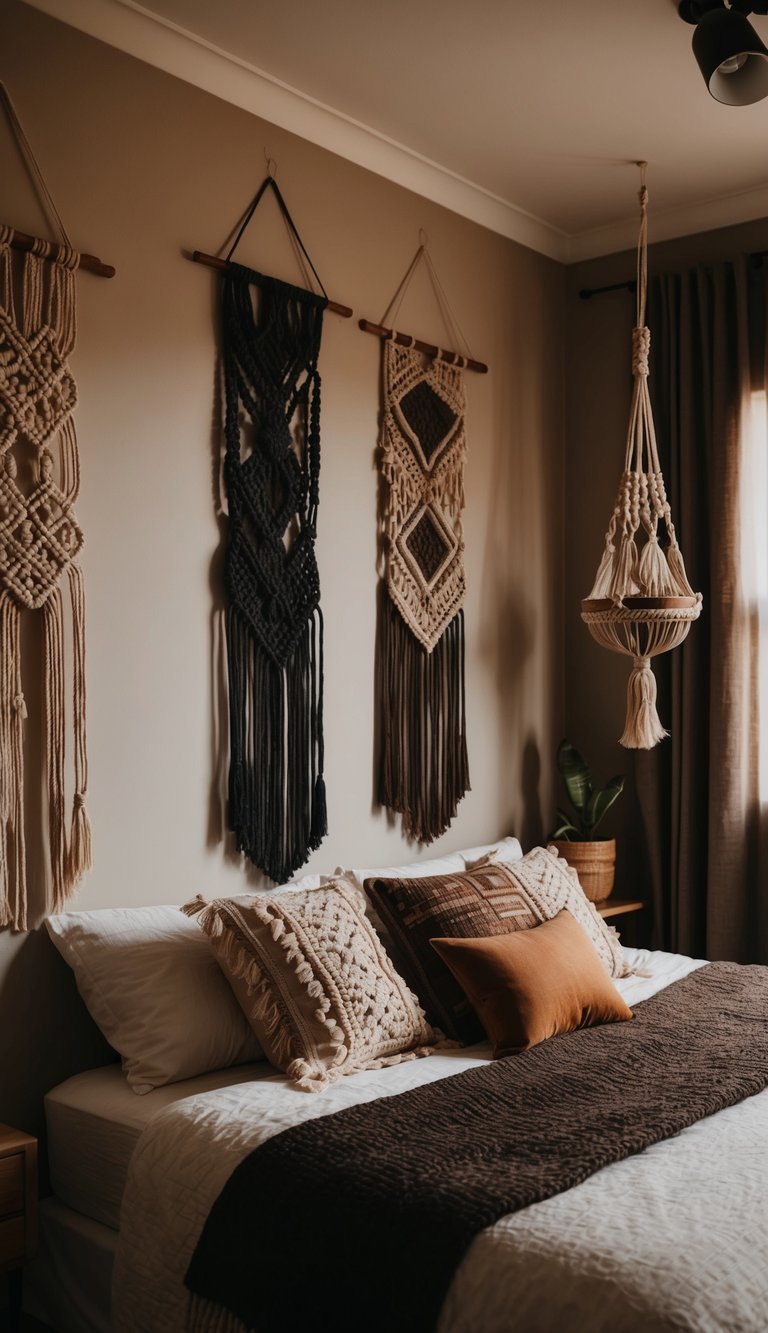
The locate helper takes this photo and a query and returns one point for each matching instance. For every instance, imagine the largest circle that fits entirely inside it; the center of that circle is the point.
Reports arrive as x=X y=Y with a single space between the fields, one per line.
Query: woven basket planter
x=594 y=863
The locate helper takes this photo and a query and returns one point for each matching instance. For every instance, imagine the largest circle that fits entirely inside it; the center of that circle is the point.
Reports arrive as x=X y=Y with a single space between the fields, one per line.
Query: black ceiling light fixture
x=730 y=55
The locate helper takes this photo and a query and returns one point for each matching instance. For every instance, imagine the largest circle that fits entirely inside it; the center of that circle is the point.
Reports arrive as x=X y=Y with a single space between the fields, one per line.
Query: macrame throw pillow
x=492 y=899
x=315 y=983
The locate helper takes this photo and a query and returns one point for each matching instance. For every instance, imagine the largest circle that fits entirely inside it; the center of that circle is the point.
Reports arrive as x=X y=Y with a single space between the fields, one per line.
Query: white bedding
x=94 y=1121
x=674 y=1238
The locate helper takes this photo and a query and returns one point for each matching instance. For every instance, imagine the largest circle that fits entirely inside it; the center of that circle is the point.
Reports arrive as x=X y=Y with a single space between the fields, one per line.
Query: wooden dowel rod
x=403 y=340
x=21 y=241
x=212 y=261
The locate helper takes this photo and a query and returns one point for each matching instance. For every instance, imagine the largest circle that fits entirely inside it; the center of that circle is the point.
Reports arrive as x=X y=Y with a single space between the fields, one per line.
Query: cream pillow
x=151 y=982
x=315 y=982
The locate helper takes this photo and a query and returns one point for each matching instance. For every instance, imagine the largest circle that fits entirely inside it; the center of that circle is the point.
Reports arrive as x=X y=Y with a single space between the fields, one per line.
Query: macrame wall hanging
x=423 y=770
x=39 y=543
x=270 y=349
x=642 y=603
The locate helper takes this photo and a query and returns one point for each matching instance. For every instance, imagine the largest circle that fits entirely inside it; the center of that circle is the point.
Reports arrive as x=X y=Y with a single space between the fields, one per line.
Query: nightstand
x=614 y=907
x=18 y=1212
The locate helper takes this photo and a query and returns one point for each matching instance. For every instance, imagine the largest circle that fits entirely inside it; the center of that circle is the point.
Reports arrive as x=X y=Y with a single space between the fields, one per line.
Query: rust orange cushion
x=533 y=984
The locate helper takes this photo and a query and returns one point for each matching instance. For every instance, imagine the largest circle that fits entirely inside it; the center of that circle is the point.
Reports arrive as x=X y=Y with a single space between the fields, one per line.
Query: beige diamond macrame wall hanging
x=423 y=771
x=39 y=544
x=641 y=603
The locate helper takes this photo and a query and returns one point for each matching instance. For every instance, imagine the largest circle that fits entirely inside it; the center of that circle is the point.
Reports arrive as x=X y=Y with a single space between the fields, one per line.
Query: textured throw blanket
x=373 y=1208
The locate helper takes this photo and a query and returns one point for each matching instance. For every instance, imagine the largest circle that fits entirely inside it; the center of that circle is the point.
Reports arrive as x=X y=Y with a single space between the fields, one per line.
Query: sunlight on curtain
x=754 y=566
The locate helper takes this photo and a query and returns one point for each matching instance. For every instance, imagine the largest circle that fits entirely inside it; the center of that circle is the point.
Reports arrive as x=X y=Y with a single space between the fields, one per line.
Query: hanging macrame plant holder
x=39 y=544
x=641 y=603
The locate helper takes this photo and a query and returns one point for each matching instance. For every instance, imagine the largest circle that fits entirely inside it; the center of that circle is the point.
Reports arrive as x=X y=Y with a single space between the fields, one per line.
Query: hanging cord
x=455 y=335
x=32 y=162
x=269 y=182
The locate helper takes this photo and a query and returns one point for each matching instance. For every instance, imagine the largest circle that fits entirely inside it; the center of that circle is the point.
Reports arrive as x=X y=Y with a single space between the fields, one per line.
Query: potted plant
x=593 y=858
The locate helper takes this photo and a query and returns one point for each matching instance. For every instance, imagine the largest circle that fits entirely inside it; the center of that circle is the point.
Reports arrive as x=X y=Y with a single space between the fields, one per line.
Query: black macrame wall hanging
x=423 y=769
x=270 y=349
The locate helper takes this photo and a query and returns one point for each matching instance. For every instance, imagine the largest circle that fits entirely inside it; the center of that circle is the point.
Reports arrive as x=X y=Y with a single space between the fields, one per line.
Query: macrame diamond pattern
x=37 y=391
x=38 y=535
x=423 y=464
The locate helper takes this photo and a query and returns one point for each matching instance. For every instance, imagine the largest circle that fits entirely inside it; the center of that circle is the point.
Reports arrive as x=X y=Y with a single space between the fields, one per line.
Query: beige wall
x=598 y=390
x=143 y=167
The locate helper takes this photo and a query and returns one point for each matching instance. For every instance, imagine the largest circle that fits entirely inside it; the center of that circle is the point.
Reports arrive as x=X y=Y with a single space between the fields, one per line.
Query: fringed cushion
x=491 y=899
x=316 y=985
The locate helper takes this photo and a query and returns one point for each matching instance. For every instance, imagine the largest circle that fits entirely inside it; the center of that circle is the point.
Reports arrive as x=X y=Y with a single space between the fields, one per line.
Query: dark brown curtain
x=699 y=791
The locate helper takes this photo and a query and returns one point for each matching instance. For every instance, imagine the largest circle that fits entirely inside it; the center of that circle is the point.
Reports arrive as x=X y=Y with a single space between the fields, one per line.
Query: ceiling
x=524 y=114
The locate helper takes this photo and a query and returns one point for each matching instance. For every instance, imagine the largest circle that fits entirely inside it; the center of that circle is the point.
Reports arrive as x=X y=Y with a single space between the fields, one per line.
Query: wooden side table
x=18 y=1212
x=615 y=907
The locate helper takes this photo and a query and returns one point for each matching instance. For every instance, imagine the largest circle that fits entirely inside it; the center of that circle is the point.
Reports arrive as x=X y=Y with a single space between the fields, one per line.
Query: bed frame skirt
x=69 y=1284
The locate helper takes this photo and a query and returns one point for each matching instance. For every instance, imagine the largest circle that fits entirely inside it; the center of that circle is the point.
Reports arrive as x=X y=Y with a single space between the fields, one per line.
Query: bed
x=674 y=1237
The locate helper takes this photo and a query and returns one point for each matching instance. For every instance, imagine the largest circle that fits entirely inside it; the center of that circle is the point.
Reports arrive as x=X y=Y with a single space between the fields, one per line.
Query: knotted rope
x=39 y=542
x=635 y=570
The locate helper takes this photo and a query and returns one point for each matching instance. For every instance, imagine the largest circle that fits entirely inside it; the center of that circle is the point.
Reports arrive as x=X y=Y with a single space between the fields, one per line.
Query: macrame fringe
x=654 y=576
x=206 y=1317
x=642 y=729
x=13 y=712
x=424 y=769
x=277 y=801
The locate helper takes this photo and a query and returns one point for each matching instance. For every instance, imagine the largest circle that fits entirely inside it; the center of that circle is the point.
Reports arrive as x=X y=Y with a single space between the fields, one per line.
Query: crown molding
x=669 y=224
x=155 y=40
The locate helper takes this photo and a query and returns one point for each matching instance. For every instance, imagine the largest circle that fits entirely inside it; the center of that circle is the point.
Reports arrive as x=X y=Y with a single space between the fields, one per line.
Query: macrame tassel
x=54 y=747
x=13 y=712
x=677 y=569
x=80 y=844
x=424 y=769
x=277 y=807
x=625 y=569
x=654 y=577
x=642 y=729
x=604 y=577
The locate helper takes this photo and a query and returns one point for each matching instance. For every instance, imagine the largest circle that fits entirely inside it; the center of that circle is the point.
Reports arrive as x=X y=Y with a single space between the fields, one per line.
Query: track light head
x=732 y=59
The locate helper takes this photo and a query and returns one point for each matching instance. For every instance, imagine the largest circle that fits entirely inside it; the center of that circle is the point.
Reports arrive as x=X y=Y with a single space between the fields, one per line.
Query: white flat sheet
x=94 y=1122
x=674 y=1238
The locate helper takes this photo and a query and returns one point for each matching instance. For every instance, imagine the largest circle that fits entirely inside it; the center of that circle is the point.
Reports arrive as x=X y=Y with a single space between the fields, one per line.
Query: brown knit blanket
x=358 y=1220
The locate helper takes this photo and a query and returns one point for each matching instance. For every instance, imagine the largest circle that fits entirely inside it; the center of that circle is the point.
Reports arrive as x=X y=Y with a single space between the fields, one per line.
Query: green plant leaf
x=603 y=800
x=575 y=775
x=564 y=830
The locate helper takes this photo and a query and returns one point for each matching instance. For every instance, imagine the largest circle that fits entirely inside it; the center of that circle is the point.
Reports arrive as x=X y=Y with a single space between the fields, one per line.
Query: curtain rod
x=405 y=340
x=587 y=293
x=212 y=261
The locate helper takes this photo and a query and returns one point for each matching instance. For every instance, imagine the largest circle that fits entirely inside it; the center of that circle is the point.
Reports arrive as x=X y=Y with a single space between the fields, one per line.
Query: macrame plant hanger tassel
x=277 y=802
x=642 y=603
x=423 y=770
x=39 y=542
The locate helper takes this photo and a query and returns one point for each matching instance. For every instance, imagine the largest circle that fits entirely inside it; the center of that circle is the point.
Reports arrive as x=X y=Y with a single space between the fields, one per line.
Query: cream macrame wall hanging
x=422 y=737
x=39 y=544
x=642 y=603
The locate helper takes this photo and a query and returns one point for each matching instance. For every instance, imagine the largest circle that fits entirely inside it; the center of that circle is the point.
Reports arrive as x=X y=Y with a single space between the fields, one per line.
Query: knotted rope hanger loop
x=382 y=329
x=641 y=603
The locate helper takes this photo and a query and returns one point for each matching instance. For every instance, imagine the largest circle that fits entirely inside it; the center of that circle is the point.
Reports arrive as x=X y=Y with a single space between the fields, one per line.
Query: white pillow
x=151 y=982
x=505 y=849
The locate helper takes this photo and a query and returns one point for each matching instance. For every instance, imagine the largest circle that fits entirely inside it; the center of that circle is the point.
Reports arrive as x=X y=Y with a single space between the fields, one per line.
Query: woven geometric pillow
x=493 y=899
x=315 y=983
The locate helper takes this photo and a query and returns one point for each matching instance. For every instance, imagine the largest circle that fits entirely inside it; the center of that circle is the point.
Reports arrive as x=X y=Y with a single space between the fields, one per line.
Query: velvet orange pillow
x=533 y=984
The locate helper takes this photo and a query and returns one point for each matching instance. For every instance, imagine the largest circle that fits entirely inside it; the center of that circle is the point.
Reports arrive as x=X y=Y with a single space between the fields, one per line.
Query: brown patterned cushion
x=492 y=899
x=533 y=984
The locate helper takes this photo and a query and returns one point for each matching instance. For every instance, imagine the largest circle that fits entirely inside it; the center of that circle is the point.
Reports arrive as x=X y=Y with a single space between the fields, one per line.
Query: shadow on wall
x=46 y=1032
